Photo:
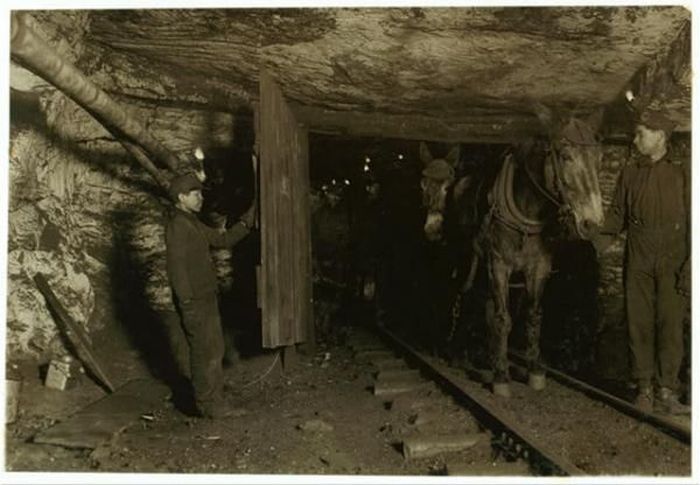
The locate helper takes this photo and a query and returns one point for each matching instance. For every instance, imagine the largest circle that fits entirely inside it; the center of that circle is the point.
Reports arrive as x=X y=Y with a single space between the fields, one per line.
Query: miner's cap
x=182 y=184
x=655 y=120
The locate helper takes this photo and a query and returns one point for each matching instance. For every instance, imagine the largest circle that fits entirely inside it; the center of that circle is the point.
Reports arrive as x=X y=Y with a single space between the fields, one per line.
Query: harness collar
x=505 y=209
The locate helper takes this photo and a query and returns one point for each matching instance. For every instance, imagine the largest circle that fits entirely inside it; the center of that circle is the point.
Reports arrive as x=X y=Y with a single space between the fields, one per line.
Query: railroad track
x=570 y=429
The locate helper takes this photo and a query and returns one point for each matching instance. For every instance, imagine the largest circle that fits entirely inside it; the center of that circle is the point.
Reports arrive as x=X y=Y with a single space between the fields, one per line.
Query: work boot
x=667 y=402
x=645 y=399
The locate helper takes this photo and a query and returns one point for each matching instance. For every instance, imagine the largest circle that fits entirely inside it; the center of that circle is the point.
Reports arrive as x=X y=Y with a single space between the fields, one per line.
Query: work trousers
x=202 y=326
x=655 y=312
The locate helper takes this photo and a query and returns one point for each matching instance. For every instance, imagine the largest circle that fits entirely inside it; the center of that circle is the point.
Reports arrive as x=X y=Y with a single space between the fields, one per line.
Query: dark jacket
x=187 y=239
x=651 y=203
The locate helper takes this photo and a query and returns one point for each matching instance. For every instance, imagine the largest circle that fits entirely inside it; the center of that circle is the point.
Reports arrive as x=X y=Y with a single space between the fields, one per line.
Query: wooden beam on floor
x=101 y=420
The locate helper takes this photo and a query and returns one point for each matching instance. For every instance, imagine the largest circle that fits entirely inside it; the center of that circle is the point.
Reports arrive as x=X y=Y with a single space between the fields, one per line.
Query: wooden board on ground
x=75 y=334
x=426 y=446
x=392 y=363
x=393 y=388
x=102 y=419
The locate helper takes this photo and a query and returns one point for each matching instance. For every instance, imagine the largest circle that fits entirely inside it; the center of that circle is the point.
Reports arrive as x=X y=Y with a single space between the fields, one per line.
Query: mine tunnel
x=310 y=145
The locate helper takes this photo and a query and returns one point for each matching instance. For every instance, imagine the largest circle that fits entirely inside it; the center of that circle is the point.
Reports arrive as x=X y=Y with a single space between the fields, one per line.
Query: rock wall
x=82 y=212
x=611 y=340
x=610 y=291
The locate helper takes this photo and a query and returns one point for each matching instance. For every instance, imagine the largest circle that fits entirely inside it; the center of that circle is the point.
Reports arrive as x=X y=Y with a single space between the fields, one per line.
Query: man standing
x=651 y=203
x=194 y=284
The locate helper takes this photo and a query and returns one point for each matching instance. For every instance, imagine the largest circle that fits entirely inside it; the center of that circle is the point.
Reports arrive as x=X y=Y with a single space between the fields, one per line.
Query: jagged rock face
x=475 y=66
x=86 y=215
x=83 y=213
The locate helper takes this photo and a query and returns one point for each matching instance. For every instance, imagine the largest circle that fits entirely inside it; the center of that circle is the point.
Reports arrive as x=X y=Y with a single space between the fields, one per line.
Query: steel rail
x=487 y=414
x=666 y=425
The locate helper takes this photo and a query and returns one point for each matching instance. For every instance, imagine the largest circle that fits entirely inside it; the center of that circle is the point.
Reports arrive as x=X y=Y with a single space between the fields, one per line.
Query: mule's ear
x=425 y=155
x=543 y=113
x=595 y=119
x=453 y=156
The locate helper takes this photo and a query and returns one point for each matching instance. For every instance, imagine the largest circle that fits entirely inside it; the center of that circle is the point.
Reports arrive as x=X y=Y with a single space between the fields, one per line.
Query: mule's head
x=438 y=175
x=573 y=175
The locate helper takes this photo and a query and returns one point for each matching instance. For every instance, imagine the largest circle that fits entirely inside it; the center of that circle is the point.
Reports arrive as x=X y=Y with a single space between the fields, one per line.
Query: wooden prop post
x=75 y=335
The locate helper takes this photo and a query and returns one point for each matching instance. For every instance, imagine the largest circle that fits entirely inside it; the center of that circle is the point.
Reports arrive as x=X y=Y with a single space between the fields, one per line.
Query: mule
x=546 y=190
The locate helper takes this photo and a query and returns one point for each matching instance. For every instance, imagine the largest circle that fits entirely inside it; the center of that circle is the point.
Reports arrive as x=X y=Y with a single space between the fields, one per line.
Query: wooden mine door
x=285 y=219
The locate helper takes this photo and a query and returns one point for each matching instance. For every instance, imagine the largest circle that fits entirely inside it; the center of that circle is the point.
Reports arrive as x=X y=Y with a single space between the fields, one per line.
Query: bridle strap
x=543 y=190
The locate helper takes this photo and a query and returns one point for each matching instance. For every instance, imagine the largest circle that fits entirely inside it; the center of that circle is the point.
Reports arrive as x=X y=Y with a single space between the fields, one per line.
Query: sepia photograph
x=362 y=243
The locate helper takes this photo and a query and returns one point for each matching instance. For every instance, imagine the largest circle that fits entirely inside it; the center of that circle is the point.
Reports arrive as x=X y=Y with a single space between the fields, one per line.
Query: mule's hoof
x=501 y=389
x=536 y=381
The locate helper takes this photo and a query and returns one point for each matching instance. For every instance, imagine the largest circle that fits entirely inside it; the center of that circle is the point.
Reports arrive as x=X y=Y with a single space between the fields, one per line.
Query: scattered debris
x=62 y=374
x=392 y=388
x=315 y=425
x=237 y=412
x=209 y=438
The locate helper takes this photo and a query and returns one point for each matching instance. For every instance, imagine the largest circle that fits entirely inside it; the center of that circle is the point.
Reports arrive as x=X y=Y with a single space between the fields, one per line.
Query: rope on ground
x=267 y=372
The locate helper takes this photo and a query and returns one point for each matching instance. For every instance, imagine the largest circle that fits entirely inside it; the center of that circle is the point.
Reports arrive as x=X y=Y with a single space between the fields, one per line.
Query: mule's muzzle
x=433 y=226
x=581 y=228
x=586 y=229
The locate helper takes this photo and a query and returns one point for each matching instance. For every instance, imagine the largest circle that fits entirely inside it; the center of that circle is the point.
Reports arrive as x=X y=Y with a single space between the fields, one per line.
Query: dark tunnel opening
x=373 y=263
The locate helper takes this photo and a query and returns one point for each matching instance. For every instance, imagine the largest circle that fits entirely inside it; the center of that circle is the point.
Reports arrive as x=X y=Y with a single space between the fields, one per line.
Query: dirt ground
x=316 y=417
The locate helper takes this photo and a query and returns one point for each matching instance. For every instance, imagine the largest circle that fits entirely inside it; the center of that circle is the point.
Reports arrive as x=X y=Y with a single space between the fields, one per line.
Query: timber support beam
x=33 y=53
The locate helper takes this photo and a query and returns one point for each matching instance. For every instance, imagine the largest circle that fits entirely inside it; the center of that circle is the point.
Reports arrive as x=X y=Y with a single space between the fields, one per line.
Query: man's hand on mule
x=601 y=243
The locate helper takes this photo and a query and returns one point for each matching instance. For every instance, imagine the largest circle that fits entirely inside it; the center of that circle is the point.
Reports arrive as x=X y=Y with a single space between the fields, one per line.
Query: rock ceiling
x=398 y=71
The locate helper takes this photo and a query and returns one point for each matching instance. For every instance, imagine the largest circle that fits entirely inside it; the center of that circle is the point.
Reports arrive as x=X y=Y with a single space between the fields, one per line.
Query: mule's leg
x=535 y=280
x=499 y=275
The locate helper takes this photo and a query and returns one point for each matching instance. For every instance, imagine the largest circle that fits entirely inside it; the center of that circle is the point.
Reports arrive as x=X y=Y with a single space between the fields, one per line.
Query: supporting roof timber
x=478 y=129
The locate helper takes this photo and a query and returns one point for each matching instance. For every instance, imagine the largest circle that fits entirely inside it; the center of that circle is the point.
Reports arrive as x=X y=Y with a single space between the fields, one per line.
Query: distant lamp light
x=347 y=182
x=400 y=156
x=629 y=95
x=367 y=160
x=324 y=187
x=333 y=182
x=199 y=153
x=366 y=168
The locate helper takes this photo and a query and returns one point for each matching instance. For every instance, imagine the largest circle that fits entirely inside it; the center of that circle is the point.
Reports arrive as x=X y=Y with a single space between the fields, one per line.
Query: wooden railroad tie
x=426 y=446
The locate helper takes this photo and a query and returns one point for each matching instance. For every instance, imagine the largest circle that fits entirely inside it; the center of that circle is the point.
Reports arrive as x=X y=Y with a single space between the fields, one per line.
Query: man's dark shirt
x=651 y=203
